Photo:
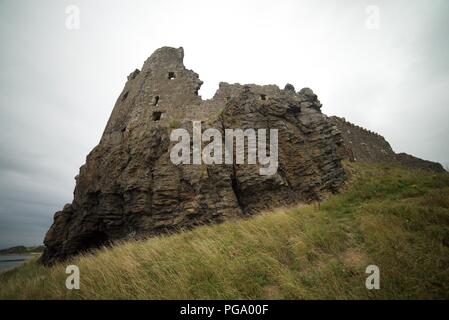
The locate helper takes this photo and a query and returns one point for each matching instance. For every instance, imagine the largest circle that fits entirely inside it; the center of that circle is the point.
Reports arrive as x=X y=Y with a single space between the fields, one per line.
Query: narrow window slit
x=157 y=115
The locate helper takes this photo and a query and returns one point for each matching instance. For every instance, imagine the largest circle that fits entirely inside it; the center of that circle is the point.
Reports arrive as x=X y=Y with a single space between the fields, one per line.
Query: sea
x=10 y=261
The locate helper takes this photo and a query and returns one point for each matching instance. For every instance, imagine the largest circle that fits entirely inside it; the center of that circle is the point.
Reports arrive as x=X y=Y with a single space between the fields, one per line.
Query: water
x=10 y=261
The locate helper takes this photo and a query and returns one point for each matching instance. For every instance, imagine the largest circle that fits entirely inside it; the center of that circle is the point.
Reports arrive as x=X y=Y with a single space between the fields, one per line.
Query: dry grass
x=395 y=218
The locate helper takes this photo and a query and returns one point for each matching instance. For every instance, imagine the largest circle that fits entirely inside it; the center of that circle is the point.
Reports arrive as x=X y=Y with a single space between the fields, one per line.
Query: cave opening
x=93 y=240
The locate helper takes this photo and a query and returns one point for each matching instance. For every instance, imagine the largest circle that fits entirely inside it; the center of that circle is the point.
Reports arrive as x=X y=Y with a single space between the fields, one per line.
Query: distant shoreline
x=12 y=260
x=21 y=253
x=9 y=262
x=22 y=250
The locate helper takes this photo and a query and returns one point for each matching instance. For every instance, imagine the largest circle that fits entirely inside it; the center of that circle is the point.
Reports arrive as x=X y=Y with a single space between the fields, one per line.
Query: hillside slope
x=395 y=218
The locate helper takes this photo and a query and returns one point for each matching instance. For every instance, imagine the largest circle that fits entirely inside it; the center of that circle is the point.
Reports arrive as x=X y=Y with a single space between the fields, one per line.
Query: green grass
x=395 y=218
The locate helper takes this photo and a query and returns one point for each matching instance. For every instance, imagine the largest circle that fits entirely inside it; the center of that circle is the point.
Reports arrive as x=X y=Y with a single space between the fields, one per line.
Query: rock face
x=367 y=146
x=129 y=187
x=417 y=163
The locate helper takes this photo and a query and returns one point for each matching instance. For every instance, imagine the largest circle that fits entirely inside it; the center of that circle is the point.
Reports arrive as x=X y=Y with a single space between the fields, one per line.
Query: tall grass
x=392 y=217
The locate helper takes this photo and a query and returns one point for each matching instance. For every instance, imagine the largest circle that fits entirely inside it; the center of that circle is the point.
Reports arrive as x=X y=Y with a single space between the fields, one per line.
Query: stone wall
x=366 y=146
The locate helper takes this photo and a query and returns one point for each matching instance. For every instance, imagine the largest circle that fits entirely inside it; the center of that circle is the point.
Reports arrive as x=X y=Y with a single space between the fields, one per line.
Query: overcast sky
x=58 y=85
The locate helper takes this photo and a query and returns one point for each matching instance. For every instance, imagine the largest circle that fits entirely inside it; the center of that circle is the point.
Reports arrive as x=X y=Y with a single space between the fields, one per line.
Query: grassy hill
x=395 y=218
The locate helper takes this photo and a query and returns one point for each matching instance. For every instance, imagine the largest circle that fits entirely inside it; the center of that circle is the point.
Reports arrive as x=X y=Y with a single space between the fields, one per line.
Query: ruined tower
x=129 y=188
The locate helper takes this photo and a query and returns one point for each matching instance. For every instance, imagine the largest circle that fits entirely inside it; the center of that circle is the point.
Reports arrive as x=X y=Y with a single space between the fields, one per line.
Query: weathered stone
x=289 y=87
x=129 y=188
x=417 y=163
x=367 y=146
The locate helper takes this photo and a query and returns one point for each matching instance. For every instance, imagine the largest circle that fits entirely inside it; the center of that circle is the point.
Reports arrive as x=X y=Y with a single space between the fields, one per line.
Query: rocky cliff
x=129 y=187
